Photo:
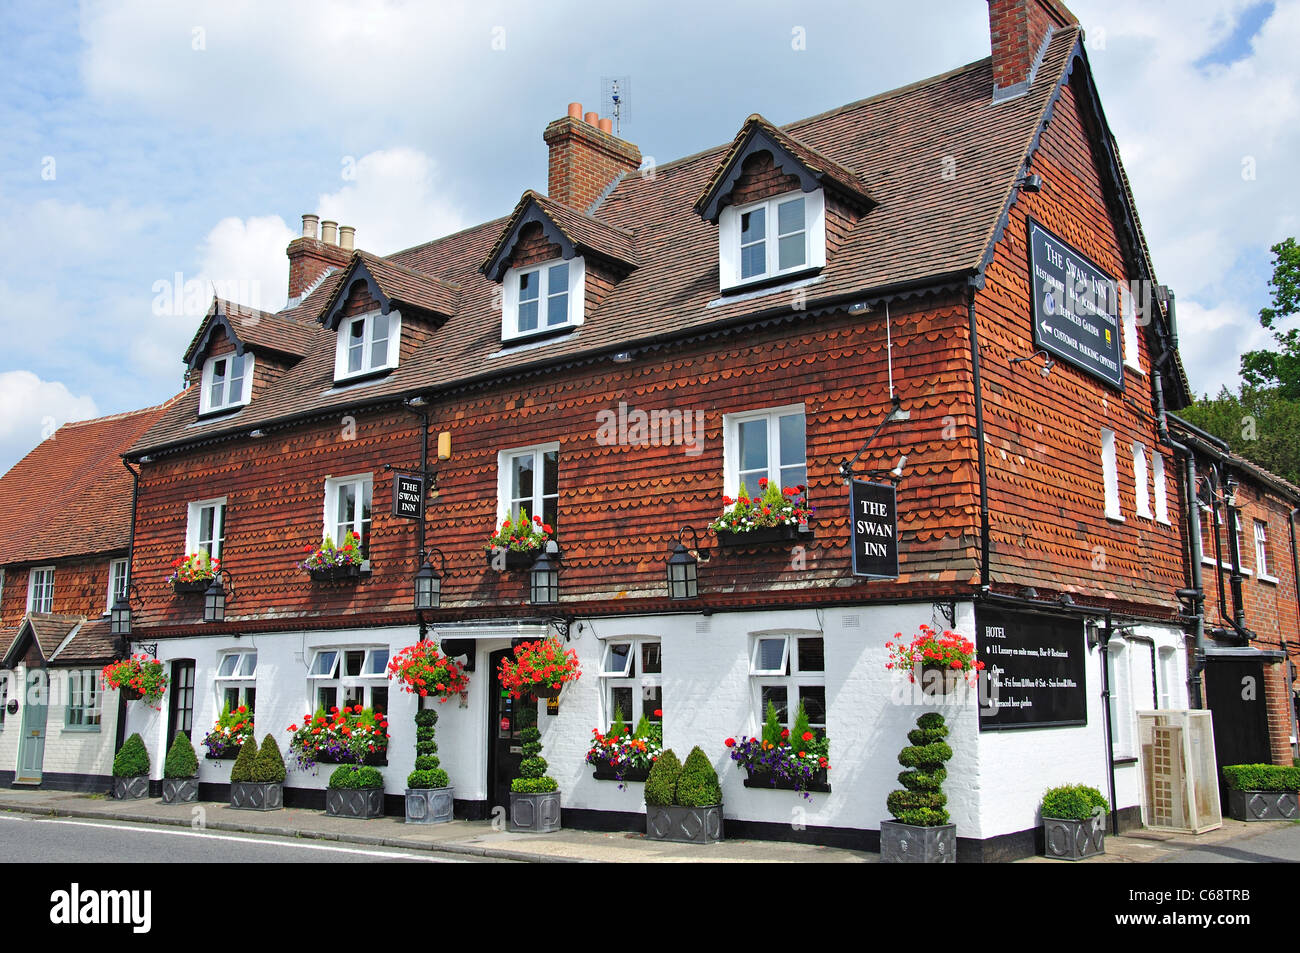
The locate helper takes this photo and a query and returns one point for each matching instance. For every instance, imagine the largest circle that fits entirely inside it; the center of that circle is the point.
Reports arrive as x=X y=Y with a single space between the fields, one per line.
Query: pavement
x=1236 y=841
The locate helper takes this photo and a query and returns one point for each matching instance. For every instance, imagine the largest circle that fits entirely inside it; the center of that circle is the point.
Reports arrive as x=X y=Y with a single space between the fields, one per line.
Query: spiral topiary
x=243 y=768
x=532 y=769
x=427 y=774
x=922 y=803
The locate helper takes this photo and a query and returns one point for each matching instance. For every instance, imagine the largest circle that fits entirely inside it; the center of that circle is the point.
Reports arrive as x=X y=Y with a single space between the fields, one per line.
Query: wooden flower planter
x=192 y=588
x=604 y=772
x=761 y=778
x=335 y=574
x=765 y=536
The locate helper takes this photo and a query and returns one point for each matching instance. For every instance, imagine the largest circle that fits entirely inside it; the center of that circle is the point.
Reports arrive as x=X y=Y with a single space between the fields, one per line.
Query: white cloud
x=32 y=410
x=245 y=261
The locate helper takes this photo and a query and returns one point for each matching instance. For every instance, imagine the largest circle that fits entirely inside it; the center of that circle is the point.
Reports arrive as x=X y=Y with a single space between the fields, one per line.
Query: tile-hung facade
x=754 y=303
x=63 y=563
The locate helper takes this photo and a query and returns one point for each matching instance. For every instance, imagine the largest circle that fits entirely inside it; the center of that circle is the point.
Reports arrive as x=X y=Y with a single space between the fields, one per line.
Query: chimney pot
x=575 y=110
x=309 y=225
x=346 y=235
x=607 y=126
x=583 y=162
x=593 y=118
x=329 y=232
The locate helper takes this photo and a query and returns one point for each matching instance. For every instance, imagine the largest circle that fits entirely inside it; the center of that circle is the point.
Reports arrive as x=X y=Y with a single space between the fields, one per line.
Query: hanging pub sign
x=1034 y=665
x=873 y=529
x=1075 y=308
x=408 y=496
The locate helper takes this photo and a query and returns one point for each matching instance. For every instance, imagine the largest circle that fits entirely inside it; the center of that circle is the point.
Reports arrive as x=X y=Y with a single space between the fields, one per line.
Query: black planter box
x=535 y=813
x=230 y=755
x=764 y=779
x=684 y=825
x=765 y=536
x=130 y=694
x=376 y=759
x=180 y=790
x=429 y=805
x=908 y=844
x=191 y=588
x=1263 y=805
x=515 y=559
x=360 y=803
x=130 y=789
x=257 y=795
x=1070 y=839
x=604 y=772
x=335 y=574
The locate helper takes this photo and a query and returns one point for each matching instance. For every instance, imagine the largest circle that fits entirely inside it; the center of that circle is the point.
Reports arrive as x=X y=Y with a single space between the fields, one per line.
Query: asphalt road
x=28 y=839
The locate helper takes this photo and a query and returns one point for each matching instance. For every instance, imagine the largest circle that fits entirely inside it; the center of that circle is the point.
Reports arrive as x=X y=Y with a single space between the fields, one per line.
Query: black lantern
x=214 y=601
x=546 y=578
x=428 y=585
x=121 y=617
x=683 y=574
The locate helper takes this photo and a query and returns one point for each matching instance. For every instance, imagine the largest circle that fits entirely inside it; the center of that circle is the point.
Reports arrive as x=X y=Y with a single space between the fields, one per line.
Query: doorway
x=31 y=744
x=1234 y=692
x=507 y=717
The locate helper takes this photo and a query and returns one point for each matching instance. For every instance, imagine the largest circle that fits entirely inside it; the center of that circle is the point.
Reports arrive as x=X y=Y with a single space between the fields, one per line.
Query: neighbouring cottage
x=944 y=288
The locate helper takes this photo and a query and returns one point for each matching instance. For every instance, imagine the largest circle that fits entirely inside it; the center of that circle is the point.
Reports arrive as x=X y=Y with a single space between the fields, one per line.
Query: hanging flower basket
x=130 y=694
x=941 y=658
x=138 y=677
x=423 y=670
x=539 y=669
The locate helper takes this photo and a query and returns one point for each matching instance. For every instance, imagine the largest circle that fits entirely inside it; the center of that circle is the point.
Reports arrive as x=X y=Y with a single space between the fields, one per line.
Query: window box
x=336 y=573
x=373 y=759
x=515 y=559
x=764 y=535
x=193 y=587
x=762 y=778
x=230 y=754
x=606 y=772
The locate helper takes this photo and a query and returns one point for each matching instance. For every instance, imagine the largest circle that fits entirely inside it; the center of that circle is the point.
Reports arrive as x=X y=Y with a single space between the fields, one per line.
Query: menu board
x=1036 y=669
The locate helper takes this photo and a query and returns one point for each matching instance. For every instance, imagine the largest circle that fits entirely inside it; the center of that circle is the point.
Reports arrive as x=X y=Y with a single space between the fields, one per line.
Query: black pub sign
x=1035 y=666
x=1076 y=308
x=873 y=529
x=408 y=496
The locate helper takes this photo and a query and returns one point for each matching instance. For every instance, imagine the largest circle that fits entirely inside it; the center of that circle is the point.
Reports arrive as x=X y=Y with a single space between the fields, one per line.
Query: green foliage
x=427 y=762
x=698 y=784
x=619 y=728
x=661 y=784
x=350 y=777
x=801 y=728
x=426 y=718
x=269 y=766
x=132 y=760
x=430 y=778
x=427 y=773
x=1073 y=802
x=643 y=728
x=243 y=768
x=1260 y=424
x=532 y=768
x=534 y=785
x=1279 y=367
x=1261 y=777
x=181 y=761
x=922 y=802
x=772 y=726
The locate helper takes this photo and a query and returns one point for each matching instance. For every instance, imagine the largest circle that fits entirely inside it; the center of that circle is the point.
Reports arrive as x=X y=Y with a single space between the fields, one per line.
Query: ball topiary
x=243 y=769
x=132 y=760
x=181 y=761
x=922 y=802
x=269 y=766
x=1073 y=802
x=661 y=783
x=532 y=768
x=698 y=784
x=348 y=776
x=431 y=778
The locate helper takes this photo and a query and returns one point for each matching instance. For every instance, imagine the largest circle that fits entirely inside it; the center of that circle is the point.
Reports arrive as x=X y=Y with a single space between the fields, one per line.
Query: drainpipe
x=1105 y=714
x=979 y=435
x=1234 y=551
x=1213 y=477
x=1295 y=580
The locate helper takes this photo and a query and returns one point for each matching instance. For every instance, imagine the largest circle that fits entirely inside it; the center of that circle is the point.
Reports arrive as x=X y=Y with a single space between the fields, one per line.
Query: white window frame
x=630 y=676
x=117 y=571
x=1122 y=714
x=1141 y=495
x=33 y=574
x=80 y=684
x=505 y=471
x=229 y=401
x=4 y=695
x=195 y=522
x=336 y=678
x=1132 y=349
x=242 y=679
x=362 y=481
x=577 y=292
x=731 y=446
x=1110 y=476
x=1167 y=666
x=797 y=678
x=729 y=258
x=1262 y=565
x=344 y=333
x=1161 y=487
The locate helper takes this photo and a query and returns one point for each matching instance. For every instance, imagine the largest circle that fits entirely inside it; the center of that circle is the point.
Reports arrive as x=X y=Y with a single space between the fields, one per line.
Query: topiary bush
x=1072 y=802
x=922 y=802
x=698 y=784
x=532 y=769
x=244 y=761
x=181 y=761
x=132 y=759
x=1261 y=777
x=352 y=777
x=269 y=766
x=661 y=783
x=427 y=774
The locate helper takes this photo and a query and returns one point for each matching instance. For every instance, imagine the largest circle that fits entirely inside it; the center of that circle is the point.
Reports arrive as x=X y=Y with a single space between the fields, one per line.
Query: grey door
x=31 y=745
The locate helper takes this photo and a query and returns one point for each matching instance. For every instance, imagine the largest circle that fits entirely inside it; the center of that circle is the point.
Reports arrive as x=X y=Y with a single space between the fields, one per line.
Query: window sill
x=359 y=379
x=767 y=284
x=80 y=730
x=542 y=334
x=229 y=410
x=1125 y=759
x=1135 y=369
x=1115 y=518
x=1271 y=580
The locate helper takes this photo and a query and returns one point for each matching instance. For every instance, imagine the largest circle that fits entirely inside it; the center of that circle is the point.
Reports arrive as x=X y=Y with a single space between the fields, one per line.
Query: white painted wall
x=67 y=750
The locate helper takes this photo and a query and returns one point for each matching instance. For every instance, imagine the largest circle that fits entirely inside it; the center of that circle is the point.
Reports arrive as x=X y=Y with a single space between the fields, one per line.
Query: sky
x=154 y=151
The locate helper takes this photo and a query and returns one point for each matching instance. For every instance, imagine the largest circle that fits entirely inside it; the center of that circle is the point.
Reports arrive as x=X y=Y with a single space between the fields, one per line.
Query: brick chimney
x=309 y=257
x=585 y=157
x=1020 y=30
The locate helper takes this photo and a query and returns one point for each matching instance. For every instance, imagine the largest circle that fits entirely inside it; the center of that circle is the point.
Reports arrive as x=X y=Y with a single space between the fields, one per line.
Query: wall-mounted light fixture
x=1030 y=183
x=1048 y=362
x=216 y=596
x=428 y=583
x=683 y=567
x=545 y=576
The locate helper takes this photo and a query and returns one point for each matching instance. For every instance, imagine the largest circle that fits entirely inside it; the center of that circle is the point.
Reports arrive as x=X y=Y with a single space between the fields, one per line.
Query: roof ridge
x=122 y=415
x=449 y=235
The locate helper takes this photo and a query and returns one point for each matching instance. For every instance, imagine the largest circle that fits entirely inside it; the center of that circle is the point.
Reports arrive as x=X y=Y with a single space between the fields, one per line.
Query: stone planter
x=515 y=559
x=428 y=805
x=907 y=844
x=180 y=790
x=257 y=795
x=1068 y=839
x=535 y=813
x=765 y=536
x=684 y=825
x=335 y=573
x=360 y=803
x=1263 y=805
x=759 y=778
x=130 y=789
x=193 y=588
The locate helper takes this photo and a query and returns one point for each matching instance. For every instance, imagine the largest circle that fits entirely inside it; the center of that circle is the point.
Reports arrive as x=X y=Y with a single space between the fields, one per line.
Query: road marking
x=283 y=842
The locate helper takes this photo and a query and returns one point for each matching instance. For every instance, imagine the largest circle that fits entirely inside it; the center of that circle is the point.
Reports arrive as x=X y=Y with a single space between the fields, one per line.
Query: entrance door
x=180 y=716
x=507 y=717
x=31 y=745
x=1234 y=691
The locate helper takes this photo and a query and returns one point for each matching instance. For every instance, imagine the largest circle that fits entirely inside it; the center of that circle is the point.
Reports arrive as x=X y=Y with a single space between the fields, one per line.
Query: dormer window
x=227 y=383
x=543 y=297
x=367 y=344
x=782 y=235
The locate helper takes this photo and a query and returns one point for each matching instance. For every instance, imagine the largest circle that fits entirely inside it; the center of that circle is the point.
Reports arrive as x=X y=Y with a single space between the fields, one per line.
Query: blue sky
x=144 y=140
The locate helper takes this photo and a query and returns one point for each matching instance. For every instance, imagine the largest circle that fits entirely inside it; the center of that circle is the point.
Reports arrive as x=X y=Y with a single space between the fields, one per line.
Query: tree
x=1279 y=369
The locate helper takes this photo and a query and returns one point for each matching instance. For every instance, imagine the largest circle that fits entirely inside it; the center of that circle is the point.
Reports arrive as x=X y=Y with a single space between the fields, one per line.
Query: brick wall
x=583 y=161
x=310 y=258
x=80 y=588
x=1017 y=29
